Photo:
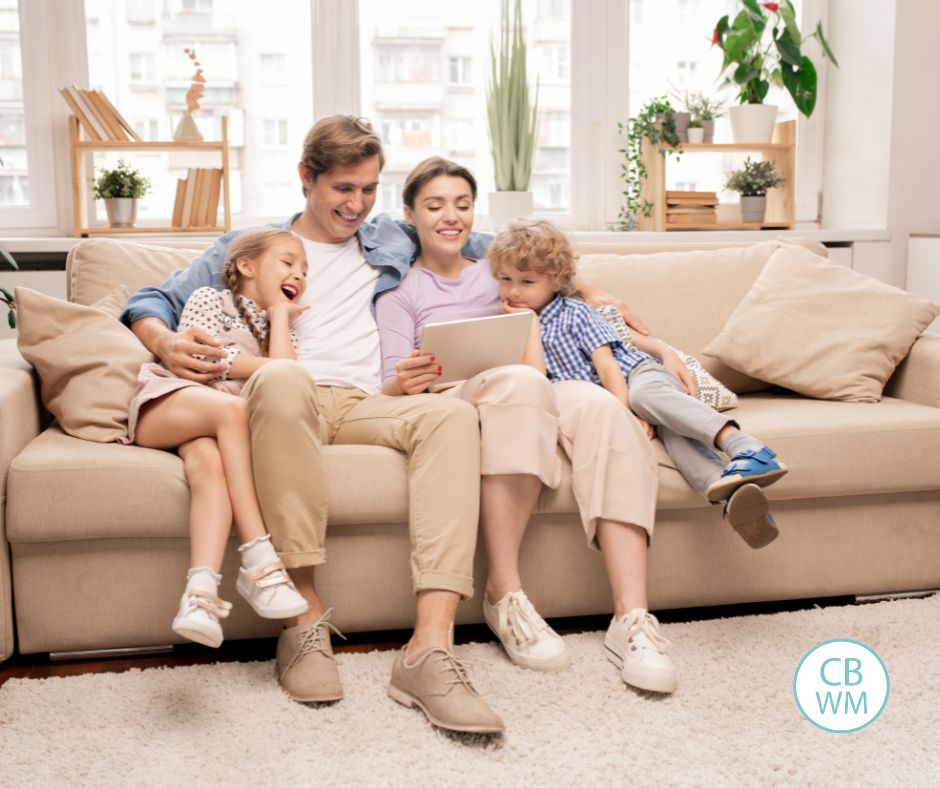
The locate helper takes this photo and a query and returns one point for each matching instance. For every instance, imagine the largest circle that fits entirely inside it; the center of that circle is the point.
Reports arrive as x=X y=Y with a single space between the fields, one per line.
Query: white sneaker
x=635 y=645
x=528 y=640
x=198 y=618
x=270 y=592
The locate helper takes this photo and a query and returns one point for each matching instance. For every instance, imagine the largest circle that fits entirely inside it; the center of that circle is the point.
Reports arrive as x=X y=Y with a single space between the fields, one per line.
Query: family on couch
x=325 y=389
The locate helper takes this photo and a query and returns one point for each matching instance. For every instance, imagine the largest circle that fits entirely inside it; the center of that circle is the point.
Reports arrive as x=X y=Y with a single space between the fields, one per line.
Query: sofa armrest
x=21 y=417
x=916 y=378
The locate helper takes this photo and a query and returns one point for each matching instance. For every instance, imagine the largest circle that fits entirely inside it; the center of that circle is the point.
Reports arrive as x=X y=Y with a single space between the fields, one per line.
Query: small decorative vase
x=506 y=206
x=753 y=208
x=752 y=123
x=709 y=128
x=682 y=125
x=187 y=130
x=696 y=135
x=122 y=211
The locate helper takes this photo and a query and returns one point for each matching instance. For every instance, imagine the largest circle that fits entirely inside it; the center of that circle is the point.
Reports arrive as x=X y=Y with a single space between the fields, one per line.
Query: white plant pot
x=752 y=123
x=696 y=135
x=506 y=206
x=122 y=211
x=753 y=208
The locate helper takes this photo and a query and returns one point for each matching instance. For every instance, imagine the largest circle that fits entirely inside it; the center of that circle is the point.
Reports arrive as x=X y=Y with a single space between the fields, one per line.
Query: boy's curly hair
x=535 y=245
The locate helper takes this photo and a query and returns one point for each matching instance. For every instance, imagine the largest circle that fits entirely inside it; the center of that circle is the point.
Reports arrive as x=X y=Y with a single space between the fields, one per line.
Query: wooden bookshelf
x=82 y=150
x=781 y=202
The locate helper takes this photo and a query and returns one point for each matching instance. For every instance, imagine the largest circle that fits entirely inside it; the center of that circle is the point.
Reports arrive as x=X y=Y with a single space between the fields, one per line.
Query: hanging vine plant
x=656 y=122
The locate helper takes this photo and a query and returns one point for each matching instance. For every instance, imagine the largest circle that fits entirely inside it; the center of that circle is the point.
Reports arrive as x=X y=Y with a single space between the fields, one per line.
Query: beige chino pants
x=291 y=418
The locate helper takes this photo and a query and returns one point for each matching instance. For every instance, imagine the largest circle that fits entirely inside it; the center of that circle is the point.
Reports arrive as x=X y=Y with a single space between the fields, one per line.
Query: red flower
x=715 y=36
x=772 y=6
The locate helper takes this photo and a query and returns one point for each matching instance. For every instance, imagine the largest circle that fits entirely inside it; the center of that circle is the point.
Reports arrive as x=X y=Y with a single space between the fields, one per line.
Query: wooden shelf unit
x=78 y=148
x=781 y=202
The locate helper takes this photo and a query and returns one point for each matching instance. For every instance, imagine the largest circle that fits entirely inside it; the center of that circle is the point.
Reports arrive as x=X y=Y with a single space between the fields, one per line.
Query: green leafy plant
x=755 y=63
x=656 y=122
x=698 y=105
x=122 y=181
x=754 y=179
x=5 y=295
x=512 y=117
x=696 y=123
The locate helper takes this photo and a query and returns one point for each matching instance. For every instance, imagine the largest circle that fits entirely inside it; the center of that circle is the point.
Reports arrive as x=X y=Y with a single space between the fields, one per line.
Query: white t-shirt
x=337 y=338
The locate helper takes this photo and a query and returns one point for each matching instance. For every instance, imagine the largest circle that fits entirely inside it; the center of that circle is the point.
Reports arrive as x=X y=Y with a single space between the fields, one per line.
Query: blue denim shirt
x=385 y=242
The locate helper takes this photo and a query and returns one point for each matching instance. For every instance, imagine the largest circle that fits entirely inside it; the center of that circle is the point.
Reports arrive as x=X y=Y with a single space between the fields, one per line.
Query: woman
x=522 y=417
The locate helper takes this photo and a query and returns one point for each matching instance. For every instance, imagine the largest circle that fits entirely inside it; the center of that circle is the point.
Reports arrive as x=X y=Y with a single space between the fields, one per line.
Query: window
x=197 y=6
x=275 y=133
x=143 y=67
x=685 y=73
x=556 y=65
x=459 y=70
x=273 y=68
x=148 y=129
x=141 y=11
x=11 y=64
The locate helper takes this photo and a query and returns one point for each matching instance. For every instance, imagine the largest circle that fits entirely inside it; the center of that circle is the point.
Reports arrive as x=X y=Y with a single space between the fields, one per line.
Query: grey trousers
x=685 y=425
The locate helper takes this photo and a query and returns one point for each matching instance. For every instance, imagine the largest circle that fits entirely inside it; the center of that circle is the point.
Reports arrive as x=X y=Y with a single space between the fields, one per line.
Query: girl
x=264 y=276
x=522 y=417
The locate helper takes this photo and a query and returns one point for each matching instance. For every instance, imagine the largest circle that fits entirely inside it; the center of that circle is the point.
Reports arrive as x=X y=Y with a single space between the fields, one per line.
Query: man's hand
x=597 y=298
x=676 y=366
x=176 y=351
x=416 y=373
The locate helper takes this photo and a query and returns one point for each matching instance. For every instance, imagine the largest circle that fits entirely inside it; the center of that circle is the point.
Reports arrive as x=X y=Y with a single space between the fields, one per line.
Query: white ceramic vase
x=752 y=123
x=122 y=211
x=506 y=206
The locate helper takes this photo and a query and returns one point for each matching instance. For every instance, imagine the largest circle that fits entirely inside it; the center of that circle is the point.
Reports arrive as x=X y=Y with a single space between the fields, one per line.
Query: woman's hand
x=416 y=373
x=176 y=351
x=678 y=368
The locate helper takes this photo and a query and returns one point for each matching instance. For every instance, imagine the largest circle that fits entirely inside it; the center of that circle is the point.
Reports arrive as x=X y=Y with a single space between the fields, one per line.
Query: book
x=77 y=105
x=101 y=111
x=119 y=117
x=199 y=198
x=215 y=191
x=692 y=218
x=689 y=211
x=177 y=219
x=186 y=211
x=696 y=195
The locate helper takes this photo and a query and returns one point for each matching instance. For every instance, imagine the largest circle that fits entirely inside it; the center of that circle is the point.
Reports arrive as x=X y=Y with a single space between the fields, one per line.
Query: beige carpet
x=733 y=720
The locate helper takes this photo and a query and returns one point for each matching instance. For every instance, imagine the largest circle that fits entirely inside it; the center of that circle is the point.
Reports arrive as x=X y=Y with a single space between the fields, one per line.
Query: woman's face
x=443 y=215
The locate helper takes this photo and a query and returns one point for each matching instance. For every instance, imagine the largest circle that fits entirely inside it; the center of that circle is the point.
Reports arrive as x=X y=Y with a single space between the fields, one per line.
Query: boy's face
x=339 y=201
x=525 y=289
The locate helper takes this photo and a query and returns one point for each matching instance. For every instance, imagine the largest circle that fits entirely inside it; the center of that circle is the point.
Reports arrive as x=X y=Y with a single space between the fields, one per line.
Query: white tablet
x=465 y=348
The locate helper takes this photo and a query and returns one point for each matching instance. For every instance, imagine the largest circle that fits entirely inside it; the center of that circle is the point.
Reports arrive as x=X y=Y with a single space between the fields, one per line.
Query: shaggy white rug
x=733 y=720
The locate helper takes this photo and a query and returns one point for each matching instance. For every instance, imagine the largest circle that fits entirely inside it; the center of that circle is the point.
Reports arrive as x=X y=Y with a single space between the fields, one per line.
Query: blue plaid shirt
x=571 y=332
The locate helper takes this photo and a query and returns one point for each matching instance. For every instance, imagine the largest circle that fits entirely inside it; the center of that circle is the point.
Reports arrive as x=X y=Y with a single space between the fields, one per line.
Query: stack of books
x=97 y=115
x=691 y=208
x=197 y=197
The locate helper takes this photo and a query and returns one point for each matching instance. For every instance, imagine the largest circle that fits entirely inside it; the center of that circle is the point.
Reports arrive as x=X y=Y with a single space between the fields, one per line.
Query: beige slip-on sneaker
x=306 y=667
x=436 y=681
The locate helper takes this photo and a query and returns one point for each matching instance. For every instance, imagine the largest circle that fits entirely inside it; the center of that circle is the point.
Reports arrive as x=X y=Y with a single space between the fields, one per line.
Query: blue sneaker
x=746 y=467
x=749 y=514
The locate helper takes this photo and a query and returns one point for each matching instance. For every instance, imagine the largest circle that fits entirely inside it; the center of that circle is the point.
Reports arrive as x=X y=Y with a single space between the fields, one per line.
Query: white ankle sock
x=740 y=441
x=258 y=552
x=203 y=579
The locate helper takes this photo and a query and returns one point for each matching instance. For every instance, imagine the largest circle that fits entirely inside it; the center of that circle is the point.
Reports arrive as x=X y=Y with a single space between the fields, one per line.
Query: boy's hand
x=506 y=309
x=675 y=365
x=417 y=372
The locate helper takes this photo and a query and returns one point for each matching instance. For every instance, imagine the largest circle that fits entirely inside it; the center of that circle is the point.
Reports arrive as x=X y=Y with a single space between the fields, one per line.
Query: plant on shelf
x=751 y=63
x=512 y=116
x=120 y=188
x=753 y=181
x=655 y=123
x=702 y=107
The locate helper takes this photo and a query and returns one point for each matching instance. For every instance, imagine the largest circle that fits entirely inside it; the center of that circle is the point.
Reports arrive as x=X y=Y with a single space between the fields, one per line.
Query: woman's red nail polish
x=433 y=357
x=439 y=370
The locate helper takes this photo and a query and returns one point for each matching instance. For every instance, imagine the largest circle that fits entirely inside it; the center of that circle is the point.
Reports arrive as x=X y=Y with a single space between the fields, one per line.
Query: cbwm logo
x=841 y=686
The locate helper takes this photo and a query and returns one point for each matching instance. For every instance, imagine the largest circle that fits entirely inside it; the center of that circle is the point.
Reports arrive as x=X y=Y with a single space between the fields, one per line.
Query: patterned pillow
x=710 y=390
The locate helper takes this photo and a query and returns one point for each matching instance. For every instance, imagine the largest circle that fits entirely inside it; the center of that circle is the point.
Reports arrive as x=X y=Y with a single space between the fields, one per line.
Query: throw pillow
x=821 y=329
x=113 y=303
x=86 y=360
x=710 y=390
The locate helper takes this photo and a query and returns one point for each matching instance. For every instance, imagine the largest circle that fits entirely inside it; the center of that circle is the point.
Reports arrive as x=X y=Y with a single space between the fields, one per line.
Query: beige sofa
x=94 y=535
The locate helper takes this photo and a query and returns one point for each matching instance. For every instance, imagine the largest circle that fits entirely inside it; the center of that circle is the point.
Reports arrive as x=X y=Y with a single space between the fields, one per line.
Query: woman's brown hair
x=429 y=169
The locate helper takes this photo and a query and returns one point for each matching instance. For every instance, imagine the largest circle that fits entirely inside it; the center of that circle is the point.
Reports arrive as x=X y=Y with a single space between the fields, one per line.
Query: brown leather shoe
x=436 y=681
x=306 y=667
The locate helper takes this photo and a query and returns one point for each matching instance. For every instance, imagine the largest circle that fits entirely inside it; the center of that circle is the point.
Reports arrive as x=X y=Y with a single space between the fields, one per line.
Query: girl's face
x=279 y=274
x=525 y=289
x=443 y=215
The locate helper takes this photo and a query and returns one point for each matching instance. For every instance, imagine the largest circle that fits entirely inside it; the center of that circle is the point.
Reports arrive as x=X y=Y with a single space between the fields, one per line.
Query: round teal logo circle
x=841 y=686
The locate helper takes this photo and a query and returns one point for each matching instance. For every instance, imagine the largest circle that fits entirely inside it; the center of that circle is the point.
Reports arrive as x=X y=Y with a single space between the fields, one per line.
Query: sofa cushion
x=821 y=329
x=97 y=266
x=86 y=360
x=686 y=297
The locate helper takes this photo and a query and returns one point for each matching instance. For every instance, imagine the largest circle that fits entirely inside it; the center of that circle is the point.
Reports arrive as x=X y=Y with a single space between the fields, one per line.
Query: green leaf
x=818 y=34
x=744 y=74
x=788 y=14
x=7 y=295
x=8 y=257
x=801 y=84
x=753 y=9
x=11 y=319
x=789 y=49
x=722 y=27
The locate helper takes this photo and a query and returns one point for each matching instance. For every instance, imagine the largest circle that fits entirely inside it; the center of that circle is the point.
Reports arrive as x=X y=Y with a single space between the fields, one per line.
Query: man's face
x=339 y=201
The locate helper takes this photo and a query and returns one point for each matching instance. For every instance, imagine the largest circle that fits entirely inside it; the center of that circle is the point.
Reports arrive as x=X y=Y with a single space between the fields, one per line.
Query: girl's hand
x=416 y=373
x=288 y=308
x=647 y=428
x=506 y=309
x=676 y=366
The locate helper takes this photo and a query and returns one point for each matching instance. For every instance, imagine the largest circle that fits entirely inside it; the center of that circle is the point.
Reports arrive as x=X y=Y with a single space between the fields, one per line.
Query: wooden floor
x=37 y=666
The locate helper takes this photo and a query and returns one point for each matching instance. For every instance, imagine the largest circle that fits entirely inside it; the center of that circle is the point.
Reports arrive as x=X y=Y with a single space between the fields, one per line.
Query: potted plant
x=751 y=63
x=120 y=189
x=698 y=107
x=512 y=117
x=752 y=182
x=655 y=123
x=696 y=131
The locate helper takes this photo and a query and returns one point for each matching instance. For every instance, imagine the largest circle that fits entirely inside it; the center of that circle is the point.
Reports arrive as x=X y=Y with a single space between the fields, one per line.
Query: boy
x=535 y=266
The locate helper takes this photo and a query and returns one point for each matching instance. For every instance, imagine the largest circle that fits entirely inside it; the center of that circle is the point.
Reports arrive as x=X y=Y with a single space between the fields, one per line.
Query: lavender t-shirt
x=424 y=297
